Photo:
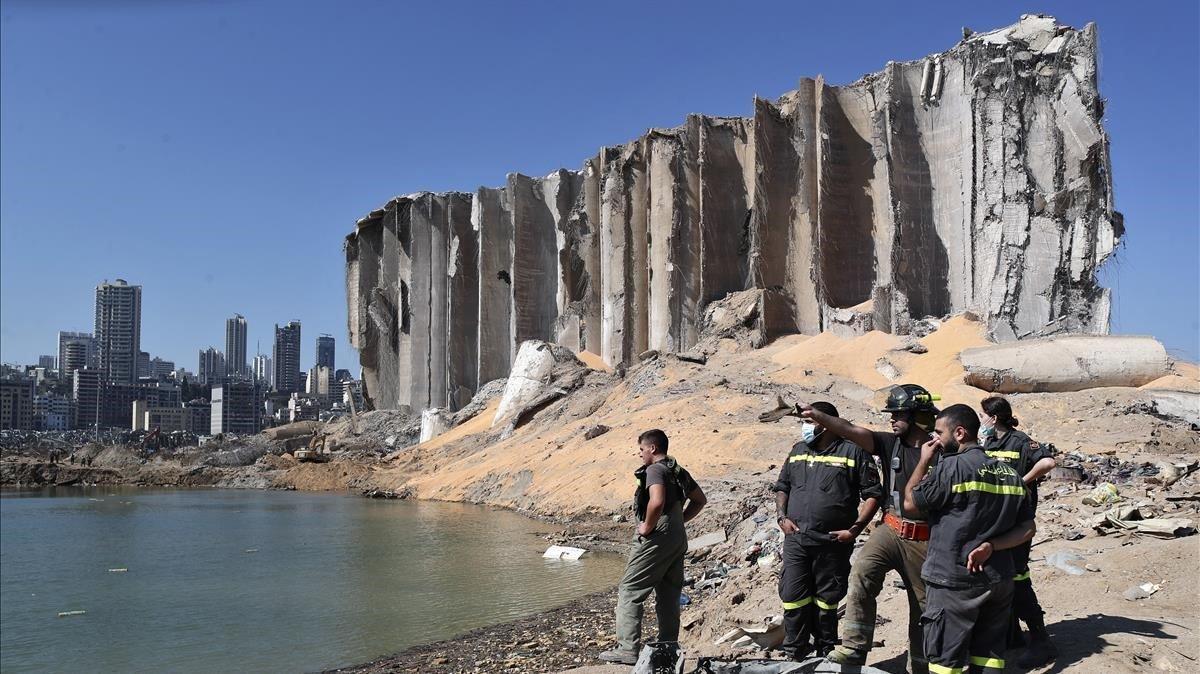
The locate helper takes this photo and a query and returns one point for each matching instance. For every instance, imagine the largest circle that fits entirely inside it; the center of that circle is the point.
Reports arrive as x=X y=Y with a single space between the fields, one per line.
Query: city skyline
x=144 y=136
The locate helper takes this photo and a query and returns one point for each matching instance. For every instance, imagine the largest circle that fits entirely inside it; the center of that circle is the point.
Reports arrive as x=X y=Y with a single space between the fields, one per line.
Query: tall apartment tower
x=287 y=358
x=119 y=329
x=211 y=367
x=263 y=370
x=76 y=351
x=325 y=352
x=235 y=346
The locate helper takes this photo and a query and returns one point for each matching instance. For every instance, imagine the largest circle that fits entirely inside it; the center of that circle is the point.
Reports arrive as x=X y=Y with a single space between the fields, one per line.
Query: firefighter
x=1002 y=441
x=978 y=512
x=827 y=492
x=900 y=544
x=665 y=499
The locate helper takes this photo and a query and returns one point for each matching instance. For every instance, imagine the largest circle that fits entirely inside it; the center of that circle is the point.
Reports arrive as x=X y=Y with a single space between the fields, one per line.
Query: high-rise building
x=211 y=369
x=235 y=346
x=46 y=362
x=318 y=381
x=325 y=352
x=119 y=329
x=161 y=369
x=235 y=408
x=86 y=389
x=16 y=404
x=287 y=358
x=263 y=370
x=76 y=351
x=143 y=364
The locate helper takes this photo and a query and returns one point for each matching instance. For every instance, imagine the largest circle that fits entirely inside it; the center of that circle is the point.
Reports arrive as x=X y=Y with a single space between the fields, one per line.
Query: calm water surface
x=260 y=581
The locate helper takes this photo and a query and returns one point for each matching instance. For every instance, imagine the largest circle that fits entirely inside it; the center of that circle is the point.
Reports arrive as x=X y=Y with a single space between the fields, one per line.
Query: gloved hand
x=781 y=410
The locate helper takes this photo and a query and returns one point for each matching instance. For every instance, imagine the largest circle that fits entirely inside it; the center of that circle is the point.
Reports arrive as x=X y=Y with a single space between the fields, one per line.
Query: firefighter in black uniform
x=899 y=542
x=978 y=512
x=827 y=492
x=1002 y=441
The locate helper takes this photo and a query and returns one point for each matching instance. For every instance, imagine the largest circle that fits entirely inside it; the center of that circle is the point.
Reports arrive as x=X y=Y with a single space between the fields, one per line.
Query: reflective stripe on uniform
x=991 y=488
x=1002 y=454
x=787 y=605
x=815 y=458
x=935 y=668
x=827 y=606
x=1021 y=576
x=998 y=663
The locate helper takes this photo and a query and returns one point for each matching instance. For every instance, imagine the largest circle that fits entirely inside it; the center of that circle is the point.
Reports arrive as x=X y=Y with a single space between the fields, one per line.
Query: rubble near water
x=977 y=179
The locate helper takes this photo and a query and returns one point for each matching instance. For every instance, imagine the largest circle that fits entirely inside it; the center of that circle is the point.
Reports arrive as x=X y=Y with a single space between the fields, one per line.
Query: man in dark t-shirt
x=666 y=497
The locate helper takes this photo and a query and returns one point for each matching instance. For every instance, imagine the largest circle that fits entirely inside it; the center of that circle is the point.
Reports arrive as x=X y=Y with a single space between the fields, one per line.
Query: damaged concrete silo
x=972 y=180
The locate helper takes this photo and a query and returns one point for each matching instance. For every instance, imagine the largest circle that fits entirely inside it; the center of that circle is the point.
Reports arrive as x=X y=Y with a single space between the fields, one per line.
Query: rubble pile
x=977 y=179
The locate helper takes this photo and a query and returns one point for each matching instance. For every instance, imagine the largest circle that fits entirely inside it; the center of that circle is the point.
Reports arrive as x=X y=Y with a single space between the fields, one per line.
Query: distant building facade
x=119 y=329
x=161 y=369
x=52 y=412
x=86 y=390
x=235 y=346
x=16 y=404
x=264 y=370
x=76 y=351
x=47 y=362
x=235 y=408
x=211 y=369
x=286 y=355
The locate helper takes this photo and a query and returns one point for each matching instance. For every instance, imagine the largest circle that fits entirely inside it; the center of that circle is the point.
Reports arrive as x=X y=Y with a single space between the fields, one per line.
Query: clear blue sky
x=217 y=152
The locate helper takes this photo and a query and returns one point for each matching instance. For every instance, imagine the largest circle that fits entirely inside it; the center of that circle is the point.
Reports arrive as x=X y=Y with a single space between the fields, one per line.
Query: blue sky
x=217 y=152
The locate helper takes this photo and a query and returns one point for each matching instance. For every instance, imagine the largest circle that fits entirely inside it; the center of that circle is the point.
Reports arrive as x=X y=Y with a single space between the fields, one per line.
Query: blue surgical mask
x=987 y=431
x=808 y=432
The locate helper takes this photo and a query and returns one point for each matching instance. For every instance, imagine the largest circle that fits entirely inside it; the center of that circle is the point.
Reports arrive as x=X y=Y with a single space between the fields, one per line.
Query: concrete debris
x=595 y=431
x=709 y=539
x=1142 y=591
x=1130 y=519
x=1066 y=363
x=537 y=365
x=977 y=179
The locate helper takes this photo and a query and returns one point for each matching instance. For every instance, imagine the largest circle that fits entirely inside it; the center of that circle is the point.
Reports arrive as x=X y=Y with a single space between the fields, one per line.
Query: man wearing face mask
x=827 y=492
x=978 y=512
x=1001 y=440
x=900 y=544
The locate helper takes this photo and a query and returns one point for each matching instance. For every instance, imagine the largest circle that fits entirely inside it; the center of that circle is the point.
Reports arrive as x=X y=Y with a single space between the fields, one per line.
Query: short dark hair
x=998 y=407
x=962 y=415
x=656 y=438
x=825 y=407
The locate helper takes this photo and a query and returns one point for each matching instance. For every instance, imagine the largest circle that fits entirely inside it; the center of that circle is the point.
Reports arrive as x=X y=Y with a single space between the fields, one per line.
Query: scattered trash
x=1103 y=494
x=1067 y=474
x=64 y=614
x=1073 y=535
x=120 y=570
x=769 y=635
x=706 y=540
x=657 y=656
x=684 y=600
x=251 y=550
x=563 y=552
x=1130 y=518
x=1065 y=561
x=619 y=518
x=1142 y=591
x=769 y=559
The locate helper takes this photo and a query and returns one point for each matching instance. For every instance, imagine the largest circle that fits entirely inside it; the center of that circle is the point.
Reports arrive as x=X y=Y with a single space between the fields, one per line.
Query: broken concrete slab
x=1065 y=363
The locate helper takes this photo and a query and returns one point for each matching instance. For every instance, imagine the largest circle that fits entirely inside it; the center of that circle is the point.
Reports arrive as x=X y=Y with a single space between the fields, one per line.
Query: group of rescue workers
x=957 y=495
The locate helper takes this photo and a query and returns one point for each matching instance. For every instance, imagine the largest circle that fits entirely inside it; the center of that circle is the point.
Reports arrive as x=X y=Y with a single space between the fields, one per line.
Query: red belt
x=907 y=529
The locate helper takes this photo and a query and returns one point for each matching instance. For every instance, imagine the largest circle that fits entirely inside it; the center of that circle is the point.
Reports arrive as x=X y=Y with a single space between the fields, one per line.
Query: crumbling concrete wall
x=972 y=180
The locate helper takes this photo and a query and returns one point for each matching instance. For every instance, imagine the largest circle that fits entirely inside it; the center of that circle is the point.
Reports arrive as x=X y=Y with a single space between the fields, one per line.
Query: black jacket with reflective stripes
x=825 y=487
x=970 y=498
x=1019 y=451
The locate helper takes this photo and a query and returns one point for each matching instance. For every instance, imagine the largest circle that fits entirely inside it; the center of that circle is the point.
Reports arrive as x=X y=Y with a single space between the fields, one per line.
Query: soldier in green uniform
x=666 y=498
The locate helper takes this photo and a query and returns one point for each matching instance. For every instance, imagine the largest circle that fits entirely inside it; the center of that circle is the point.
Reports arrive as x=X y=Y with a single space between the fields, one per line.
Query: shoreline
x=558 y=639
